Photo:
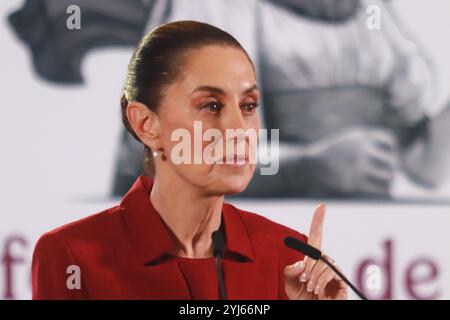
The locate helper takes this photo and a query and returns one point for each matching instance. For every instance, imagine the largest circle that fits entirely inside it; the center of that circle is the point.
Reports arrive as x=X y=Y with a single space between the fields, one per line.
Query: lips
x=235 y=159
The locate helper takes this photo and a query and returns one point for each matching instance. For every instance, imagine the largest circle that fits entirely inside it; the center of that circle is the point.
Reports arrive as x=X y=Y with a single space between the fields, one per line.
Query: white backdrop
x=58 y=156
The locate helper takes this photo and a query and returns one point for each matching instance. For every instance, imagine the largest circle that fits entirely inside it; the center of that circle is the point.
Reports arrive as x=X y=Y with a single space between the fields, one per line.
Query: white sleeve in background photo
x=300 y=53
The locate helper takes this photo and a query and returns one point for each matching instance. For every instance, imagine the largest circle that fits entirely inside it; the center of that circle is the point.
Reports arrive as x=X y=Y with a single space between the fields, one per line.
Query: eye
x=213 y=107
x=249 y=108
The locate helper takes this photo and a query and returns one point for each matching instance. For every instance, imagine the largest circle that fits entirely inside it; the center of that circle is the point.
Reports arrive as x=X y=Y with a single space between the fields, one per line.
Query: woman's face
x=217 y=90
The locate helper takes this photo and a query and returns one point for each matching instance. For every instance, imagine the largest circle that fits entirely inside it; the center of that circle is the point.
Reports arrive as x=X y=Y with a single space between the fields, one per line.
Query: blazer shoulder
x=64 y=247
x=93 y=222
x=95 y=228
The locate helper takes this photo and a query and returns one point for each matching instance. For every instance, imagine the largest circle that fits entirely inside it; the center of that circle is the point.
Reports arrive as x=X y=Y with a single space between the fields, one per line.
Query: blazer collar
x=150 y=235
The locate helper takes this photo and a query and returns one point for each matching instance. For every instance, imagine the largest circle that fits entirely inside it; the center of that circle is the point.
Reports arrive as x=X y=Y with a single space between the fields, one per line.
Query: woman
x=157 y=243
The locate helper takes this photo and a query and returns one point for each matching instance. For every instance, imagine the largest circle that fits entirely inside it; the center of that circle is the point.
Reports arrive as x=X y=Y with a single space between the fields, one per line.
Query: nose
x=237 y=125
x=233 y=118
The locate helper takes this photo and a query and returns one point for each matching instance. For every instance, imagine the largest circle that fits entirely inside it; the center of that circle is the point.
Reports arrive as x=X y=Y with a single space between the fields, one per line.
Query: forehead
x=223 y=66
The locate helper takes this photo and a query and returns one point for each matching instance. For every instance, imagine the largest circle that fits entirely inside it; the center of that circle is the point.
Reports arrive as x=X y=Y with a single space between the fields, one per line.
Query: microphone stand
x=223 y=293
x=218 y=244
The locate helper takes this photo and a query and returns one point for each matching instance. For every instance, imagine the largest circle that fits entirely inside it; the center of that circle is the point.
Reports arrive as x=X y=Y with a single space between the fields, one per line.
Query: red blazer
x=120 y=253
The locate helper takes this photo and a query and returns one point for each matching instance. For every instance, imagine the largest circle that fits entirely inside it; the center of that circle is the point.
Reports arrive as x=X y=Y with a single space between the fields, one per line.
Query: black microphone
x=218 y=245
x=315 y=254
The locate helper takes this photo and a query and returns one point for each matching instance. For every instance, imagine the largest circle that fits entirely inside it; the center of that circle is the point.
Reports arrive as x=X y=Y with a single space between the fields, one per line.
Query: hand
x=356 y=161
x=310 y=279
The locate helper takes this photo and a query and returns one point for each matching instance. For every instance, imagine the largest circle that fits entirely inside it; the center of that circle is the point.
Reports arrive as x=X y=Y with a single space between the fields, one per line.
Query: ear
x=144 y=122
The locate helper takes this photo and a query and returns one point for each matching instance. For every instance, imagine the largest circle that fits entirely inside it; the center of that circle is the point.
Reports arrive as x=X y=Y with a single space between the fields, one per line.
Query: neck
x=191 y=215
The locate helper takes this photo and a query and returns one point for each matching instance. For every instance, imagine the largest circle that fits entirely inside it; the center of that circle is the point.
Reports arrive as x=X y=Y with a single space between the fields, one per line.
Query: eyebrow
x=220 y=91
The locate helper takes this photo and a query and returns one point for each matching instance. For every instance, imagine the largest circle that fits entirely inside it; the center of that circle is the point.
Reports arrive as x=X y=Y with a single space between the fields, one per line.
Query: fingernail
x=299 y=265
x=309 y=286
x=316 y=291
x=303 y=277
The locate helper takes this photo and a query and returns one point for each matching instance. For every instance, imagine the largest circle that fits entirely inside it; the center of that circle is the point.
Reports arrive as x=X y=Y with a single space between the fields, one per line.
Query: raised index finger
x=315 y=231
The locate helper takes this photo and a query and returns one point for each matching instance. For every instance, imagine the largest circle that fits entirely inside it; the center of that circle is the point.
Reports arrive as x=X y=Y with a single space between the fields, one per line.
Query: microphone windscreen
x=303 y=247
x=218 y=242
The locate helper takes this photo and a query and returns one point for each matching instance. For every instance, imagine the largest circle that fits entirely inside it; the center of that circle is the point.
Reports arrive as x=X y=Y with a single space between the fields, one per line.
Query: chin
x=233 y=183
x=226 y=180
x=235 y=187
